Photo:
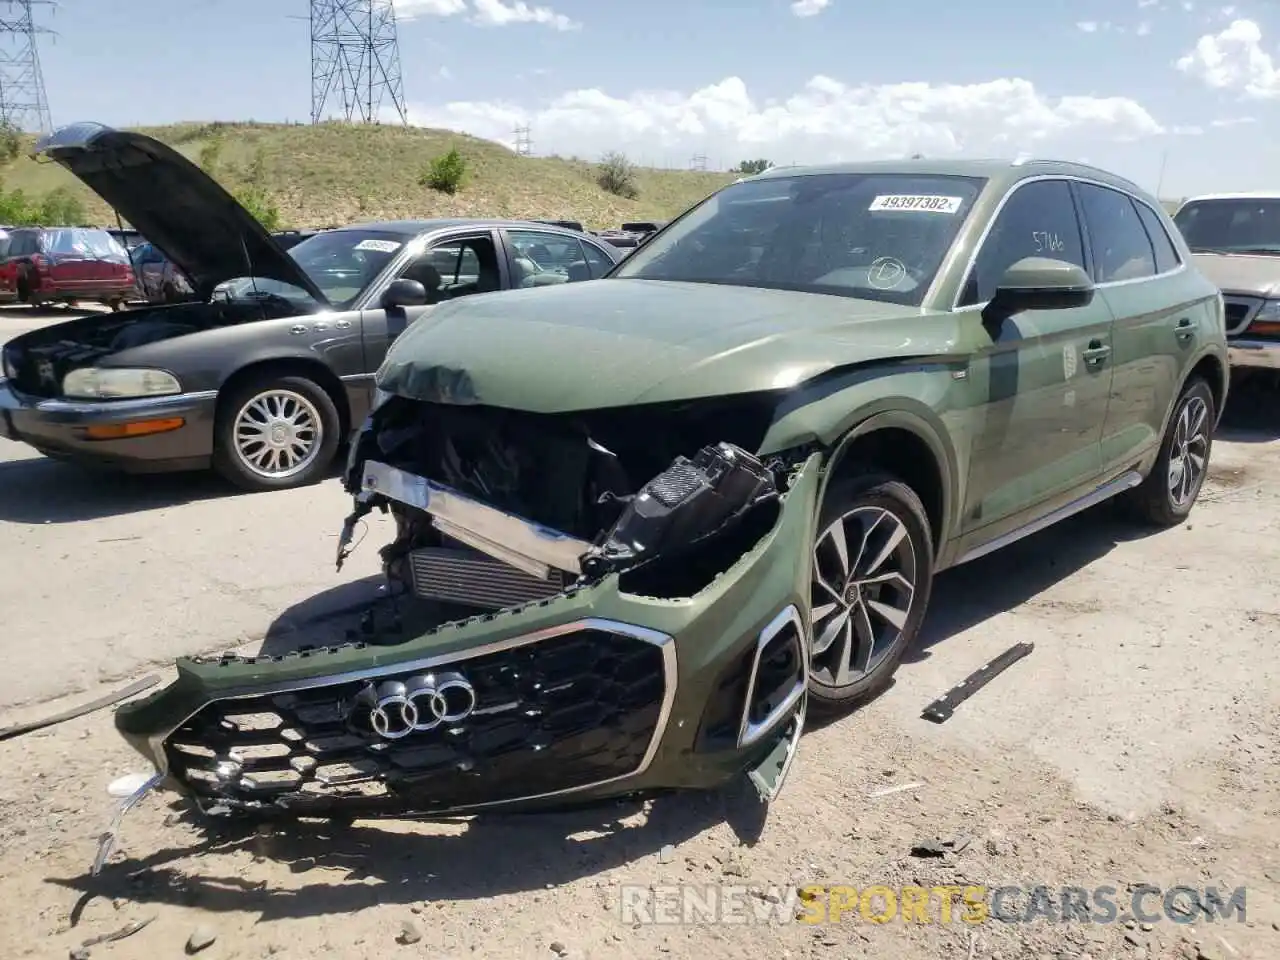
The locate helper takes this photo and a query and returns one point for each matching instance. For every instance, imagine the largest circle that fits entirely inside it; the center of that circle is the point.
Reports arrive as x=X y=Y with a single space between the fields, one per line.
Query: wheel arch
x=285 y=366
x=1213 y=367
x=905 y=443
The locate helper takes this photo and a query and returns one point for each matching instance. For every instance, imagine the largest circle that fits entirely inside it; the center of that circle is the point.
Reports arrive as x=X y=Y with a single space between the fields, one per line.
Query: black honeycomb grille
x=554 y=715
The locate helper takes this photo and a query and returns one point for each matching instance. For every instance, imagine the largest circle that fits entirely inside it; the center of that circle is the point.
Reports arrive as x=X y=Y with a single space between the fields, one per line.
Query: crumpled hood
x=609 y=343
x=1246 y=274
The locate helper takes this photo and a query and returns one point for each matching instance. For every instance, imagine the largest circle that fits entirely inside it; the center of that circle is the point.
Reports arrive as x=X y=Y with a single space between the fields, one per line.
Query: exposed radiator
x=467 y=577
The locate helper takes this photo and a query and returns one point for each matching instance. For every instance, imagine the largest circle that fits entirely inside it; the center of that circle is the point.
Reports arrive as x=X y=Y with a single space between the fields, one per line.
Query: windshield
x=92 y=244
x=1231 y=226
x=875 y=236
x=342 y=263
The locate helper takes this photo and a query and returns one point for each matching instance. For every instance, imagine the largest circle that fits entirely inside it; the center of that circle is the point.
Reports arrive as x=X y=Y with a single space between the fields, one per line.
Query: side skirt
x=1126 y=481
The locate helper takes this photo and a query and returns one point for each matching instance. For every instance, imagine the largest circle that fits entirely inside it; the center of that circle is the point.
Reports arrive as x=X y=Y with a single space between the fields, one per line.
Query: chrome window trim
x=1066 y=178
x=664 y=642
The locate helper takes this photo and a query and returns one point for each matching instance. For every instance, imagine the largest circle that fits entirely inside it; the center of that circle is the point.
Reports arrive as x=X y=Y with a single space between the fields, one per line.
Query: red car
x=65 y=264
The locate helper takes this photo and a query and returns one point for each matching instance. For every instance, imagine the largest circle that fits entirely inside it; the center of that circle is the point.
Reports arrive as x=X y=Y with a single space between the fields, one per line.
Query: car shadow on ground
x=481 y=858
x=40 y=490
x=997 y=583
x=1252 y=414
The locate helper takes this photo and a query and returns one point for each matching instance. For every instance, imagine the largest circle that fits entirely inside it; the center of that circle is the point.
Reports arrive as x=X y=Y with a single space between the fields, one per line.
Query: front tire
x=1168 y=493
x=275 y=432
x=872 y=573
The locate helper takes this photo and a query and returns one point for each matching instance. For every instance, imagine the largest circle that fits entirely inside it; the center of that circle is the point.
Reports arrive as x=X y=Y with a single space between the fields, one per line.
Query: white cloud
x=498 y=14
x=1232 y=121
x=809 y=8
x=489 y=13
x=1143 y=4
x=1143 y=28
x=412 y=9
x=1233 y=59
x=1088 y=26
x=825 y=120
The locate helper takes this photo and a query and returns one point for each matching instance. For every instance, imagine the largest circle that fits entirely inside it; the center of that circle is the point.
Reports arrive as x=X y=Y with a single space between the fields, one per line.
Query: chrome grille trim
x=664 y=642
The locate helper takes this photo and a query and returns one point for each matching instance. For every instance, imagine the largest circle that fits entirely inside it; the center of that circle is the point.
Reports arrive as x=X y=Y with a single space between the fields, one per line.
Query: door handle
x=1185 y=329
x=1096 y=352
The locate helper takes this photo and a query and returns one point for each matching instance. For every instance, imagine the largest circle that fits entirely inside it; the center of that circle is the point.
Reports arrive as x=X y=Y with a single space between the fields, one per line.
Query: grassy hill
x=338 y=173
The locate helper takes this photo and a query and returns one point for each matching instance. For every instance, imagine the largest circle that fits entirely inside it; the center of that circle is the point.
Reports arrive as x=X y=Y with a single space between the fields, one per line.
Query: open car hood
x=173 y=203
x=612 y=343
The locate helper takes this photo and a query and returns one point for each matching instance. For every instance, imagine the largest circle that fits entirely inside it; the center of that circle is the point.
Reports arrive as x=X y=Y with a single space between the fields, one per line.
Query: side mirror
x=1039 y=283
x=404 y=293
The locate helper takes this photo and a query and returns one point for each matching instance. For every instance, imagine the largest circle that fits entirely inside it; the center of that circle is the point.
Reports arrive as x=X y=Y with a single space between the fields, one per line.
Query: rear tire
x=1166 y=496
x=275 y=432
x=873 y=536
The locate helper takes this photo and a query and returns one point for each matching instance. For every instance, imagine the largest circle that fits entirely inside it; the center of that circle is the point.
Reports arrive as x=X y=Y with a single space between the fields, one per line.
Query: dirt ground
x=1138 y=744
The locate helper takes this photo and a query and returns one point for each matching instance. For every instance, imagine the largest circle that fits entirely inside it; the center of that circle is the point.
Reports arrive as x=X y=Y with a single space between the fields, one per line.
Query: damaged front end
x=598 y=604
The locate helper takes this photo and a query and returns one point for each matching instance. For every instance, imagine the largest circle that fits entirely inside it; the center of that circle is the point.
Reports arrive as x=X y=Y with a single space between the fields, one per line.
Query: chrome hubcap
x=864 y=583
x=1189 y=452
x=278 y=433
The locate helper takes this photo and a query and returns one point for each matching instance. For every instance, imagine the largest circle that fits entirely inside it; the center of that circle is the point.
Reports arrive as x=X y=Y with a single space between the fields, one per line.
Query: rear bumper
x=60 y=428
x=85 y=290
x=1255 y=354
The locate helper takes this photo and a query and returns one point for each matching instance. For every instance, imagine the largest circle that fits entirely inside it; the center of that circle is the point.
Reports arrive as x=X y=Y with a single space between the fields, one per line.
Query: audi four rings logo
x=397 y=709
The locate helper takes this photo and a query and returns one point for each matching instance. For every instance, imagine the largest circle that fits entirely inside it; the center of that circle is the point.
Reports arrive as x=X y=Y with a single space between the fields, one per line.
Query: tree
x=617 y=175
x=752 y=167
x=446 y=173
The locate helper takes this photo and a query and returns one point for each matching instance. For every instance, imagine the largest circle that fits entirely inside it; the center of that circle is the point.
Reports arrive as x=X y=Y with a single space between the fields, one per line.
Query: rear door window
x=1121 y=248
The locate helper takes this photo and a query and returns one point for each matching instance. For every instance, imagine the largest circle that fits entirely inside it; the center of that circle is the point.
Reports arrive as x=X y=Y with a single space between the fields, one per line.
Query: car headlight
x=1269 y=312
x=115 y=383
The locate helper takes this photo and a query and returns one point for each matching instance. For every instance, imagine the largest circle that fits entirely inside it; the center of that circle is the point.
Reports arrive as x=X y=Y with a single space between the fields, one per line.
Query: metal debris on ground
x=900 y=788
x=107 y=700
x=128 y=930
x=942 y=709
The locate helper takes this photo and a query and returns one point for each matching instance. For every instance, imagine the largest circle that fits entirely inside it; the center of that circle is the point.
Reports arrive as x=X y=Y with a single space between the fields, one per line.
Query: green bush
x=446 y=173
x=752 y=167
x=252 y=193
x=617 y=175
x=10 y=142
x=56 y=208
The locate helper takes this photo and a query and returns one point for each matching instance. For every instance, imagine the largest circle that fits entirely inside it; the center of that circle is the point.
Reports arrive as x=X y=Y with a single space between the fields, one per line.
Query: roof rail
x=1023 y=161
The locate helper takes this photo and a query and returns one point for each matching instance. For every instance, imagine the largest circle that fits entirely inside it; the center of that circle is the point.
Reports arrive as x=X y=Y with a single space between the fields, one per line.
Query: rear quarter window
x=1165 y=252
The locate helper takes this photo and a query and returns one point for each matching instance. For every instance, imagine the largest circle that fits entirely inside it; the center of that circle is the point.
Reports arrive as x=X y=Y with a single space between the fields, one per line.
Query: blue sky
x=1123 y=84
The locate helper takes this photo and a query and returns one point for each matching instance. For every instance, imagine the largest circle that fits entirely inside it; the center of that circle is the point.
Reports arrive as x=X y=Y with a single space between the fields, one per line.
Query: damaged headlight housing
x=117 y=383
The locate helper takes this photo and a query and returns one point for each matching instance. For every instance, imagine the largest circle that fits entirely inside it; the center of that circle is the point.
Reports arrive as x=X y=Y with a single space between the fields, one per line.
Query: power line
x=698 y=162
x=524 y=145
x=23 y=102
x=355 y=59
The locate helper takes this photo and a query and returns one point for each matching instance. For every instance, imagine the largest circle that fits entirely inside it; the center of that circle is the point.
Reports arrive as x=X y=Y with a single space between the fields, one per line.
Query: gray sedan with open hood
x=265 y=373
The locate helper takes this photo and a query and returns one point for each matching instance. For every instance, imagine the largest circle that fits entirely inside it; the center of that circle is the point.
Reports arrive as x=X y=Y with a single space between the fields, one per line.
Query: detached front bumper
x=151 y=434
x=596 y=692
x=1254 y=354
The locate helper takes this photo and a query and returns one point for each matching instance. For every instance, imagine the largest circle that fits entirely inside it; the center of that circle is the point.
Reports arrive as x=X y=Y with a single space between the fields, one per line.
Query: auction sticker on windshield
x=919 y=203
x=378 y=246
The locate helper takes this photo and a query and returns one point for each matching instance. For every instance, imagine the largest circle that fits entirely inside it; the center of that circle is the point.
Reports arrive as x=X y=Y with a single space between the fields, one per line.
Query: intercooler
x=467 y=577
